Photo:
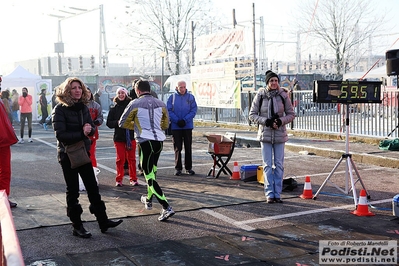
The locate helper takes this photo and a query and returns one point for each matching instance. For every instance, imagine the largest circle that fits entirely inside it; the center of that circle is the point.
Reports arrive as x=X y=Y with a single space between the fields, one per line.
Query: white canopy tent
x=20 y=78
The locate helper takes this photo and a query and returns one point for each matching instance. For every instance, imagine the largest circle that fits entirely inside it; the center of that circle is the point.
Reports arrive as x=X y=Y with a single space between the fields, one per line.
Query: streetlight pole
x=163 y=55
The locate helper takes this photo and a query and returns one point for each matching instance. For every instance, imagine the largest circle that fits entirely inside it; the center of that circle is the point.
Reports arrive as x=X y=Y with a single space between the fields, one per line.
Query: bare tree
x=345 y=26
x=165 y=25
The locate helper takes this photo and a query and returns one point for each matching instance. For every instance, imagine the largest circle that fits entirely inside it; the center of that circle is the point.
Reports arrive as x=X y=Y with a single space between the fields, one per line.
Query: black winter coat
x=114 y=115
x=68 y=126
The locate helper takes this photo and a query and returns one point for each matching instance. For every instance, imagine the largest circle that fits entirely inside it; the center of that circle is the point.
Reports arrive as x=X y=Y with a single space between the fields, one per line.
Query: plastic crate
x=395 y=205
x=249 y=172
x=260 y=175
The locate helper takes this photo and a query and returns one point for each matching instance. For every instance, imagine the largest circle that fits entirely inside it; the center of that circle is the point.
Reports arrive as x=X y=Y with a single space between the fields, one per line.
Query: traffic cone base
x=307 y=189
x=362 y=207
x=236 y=172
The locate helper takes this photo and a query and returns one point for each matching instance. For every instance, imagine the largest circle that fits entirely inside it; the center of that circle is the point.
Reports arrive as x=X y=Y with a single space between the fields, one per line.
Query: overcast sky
x=28 y=32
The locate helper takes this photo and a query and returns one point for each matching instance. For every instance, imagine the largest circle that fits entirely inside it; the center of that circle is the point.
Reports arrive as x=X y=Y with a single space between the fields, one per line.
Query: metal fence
x=371 y=120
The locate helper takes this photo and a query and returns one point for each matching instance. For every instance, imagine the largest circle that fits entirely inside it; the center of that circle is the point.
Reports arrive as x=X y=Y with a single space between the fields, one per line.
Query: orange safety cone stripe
x=236 y=172
x=307 y=189
x=362 y=207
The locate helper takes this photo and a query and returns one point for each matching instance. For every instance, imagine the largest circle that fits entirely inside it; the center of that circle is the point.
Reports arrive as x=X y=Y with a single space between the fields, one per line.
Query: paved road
x=217 y=222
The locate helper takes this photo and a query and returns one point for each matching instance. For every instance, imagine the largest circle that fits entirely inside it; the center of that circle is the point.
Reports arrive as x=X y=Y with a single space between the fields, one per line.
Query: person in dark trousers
x=25 y=102
x=272 y=110
x=133 y=95
x=43 y=107
x=72 y=123
x=148 y=117
x=182 y=109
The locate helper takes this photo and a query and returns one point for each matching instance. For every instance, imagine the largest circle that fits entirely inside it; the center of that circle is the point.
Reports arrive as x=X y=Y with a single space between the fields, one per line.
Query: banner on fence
x=214 y=85
x=217 y=93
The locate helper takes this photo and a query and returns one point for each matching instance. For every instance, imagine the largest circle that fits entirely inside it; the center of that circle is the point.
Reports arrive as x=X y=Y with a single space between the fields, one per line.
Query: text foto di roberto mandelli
x=361 y=251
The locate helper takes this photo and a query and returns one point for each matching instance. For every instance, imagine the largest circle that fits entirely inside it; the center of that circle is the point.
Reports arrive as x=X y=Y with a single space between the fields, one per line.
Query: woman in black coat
x=72 y=123
x=124 y=142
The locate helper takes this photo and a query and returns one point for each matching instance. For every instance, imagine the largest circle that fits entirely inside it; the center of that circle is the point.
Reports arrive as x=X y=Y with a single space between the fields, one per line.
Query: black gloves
x=278 y=122
x=96 y=122
x=24 y=94
x=181 y=123
x=273 y=123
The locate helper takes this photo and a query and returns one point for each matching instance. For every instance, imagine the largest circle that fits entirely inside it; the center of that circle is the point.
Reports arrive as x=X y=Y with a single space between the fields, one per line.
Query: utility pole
x=254 y=42
x=103 y=39
x=262 y=48
x=73 y=12
x=298 y=53
x=192 y=44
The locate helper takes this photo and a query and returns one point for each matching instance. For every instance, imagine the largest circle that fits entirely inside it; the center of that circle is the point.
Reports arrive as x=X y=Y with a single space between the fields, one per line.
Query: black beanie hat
x=270 y=74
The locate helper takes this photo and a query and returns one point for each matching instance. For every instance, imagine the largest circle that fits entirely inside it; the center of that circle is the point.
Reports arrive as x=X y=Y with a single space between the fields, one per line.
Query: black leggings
x=149 y=155
x=27 y=116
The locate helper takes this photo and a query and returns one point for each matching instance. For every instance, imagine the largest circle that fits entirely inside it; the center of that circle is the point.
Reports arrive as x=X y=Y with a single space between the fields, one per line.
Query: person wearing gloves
x=182 y=109
x=72 y=123
x=272 y=110
x=124 y=142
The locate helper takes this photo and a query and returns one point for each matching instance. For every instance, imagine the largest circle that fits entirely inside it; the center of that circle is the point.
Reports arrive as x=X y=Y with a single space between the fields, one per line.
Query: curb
x=365 y=158
x=337 y=154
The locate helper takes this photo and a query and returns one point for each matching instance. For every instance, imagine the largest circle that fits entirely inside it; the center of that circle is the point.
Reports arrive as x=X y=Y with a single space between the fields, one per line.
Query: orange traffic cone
x=307 y=189
x=236 y=172
x=362 y=207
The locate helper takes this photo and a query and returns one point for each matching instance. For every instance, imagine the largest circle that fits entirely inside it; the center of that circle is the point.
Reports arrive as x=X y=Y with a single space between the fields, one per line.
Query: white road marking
x=47 y=143
x=243 y=224
x=295 y=214
x=104 y=167
x=228 y=220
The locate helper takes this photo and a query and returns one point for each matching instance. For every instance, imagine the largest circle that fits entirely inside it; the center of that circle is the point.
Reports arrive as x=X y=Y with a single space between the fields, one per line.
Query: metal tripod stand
x=397 y=126
x=350 y=166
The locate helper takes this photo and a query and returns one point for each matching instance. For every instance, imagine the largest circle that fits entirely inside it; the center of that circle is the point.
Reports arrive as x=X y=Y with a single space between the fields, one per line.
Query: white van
x=171 y=83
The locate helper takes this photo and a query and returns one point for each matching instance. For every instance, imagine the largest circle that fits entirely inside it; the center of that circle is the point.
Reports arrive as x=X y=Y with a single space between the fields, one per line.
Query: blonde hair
x=63 y=92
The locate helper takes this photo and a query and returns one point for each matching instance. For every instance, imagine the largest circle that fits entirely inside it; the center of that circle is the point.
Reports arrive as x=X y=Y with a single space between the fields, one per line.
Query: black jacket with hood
x=114 y=115
x=68 y=125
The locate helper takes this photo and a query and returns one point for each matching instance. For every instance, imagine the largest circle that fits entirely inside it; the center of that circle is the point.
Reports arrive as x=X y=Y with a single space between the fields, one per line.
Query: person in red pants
x=124 y=142
x=96 y=114
x=7 y=138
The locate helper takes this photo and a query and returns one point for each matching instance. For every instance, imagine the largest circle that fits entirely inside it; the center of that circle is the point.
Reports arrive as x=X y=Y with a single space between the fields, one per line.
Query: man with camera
x=272 y=109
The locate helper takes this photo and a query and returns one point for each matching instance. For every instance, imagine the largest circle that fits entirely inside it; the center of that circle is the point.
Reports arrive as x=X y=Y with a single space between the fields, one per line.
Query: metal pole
x=162 y=78
x=253 y=31
x=192 y=43
x=59 y=64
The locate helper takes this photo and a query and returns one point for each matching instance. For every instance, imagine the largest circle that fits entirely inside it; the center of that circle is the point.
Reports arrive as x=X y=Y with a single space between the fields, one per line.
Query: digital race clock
x=346 y=91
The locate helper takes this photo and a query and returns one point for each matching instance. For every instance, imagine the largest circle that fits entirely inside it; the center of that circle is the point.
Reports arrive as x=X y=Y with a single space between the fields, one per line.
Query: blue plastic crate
x=395 y=205
x=249 y=172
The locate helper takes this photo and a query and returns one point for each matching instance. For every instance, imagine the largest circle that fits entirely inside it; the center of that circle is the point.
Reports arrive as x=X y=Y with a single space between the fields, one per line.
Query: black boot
x=81 y=232
x=74 y=213
x=109 y=224
x=99 y=211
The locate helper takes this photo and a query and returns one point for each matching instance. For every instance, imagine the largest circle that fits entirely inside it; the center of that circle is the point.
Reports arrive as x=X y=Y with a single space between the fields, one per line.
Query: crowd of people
x=139 y=121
